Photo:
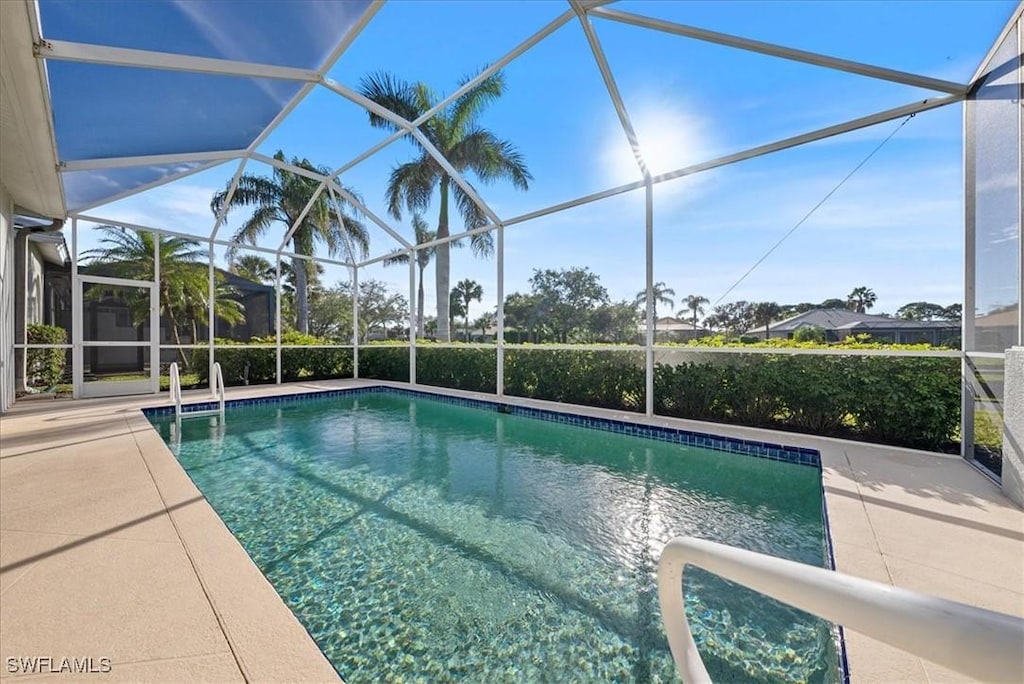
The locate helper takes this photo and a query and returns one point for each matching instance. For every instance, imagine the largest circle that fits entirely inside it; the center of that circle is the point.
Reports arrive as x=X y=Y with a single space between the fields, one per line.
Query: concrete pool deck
x=107 y=549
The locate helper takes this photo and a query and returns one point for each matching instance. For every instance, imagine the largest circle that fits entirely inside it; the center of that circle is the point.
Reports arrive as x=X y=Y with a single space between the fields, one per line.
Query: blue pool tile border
x=767 y=450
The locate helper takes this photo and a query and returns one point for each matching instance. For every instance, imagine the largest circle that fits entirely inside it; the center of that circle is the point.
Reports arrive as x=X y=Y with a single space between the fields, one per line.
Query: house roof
x=844 y=319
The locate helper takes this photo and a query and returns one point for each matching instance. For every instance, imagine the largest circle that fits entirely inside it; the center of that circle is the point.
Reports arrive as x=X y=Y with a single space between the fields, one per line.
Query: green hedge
x=311 y=362
x=905 y=401
x=899 y=400
x=472 y=368
x=384 y=362
x=609 y=379
x=45 y=366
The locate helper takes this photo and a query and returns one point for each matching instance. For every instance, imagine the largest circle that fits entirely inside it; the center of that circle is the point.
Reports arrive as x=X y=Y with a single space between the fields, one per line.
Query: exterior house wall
x=6 y=300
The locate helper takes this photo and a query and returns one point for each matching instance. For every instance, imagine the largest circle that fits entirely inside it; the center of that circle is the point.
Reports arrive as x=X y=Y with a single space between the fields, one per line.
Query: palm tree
x=765 y=313
x=661 y=296
x=467 y=291
x=456 y=133
x=861 y=299
x=183 y=289
x=281 y=199
x=253 y=267
x=694 y=304
x=423 y=257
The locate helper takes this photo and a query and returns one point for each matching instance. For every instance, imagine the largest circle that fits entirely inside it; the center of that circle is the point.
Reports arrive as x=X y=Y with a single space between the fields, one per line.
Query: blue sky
x=896 y=226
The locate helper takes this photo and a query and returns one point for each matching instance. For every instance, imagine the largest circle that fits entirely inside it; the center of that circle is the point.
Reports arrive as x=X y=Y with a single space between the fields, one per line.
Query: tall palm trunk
x=301 y=295
x=443 y=263
x=166 y=295
x=420 y=327
x=467 y=320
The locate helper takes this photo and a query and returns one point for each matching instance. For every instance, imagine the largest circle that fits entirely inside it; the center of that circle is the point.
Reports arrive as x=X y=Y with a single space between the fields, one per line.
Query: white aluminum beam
x=168 y=61
x=804 y=56
x=148 y=160
x=222 y=214
x=611 y=86
x=301 y=217
x=297 y=170
x=455 y=175
x=354 y=201
x=984 y=66
x=199 y=238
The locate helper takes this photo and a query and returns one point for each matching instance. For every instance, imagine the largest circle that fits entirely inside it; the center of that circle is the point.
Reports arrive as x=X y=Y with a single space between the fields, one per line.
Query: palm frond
x=411 y=186
x=393 y=94
x=491 y=159
x=464 y=111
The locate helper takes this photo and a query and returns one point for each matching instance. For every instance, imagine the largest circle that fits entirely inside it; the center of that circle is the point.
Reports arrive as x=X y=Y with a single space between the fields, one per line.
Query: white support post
x=211 y=323
x=412 y=317
x=649 y=258
x=499 y=388
x=967 y=399
x=154 y=318
x=355 y=322
x=277 y=326
x=77 y=357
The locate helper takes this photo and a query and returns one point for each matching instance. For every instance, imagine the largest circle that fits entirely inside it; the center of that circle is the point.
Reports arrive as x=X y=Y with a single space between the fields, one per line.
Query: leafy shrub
x=244 y=365
x=905 y=401
x=384 y=362
x=45 y=366
x=471 y=368
x=609 y=379
x=809 y=333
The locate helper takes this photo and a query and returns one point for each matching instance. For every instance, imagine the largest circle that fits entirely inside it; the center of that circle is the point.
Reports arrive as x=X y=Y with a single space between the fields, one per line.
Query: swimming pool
x=417 y=539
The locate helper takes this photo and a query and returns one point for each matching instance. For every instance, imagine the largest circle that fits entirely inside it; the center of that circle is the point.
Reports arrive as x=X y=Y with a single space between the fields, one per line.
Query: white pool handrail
x=977 y=642
x=176 y=390
x=216 y=391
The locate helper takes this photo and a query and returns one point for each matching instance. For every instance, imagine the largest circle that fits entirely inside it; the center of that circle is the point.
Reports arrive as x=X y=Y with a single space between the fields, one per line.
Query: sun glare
x=670 y=138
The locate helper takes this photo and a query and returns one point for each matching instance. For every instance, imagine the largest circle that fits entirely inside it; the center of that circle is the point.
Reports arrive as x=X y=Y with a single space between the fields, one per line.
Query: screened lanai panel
x=706 y=100
x=108 y=111
x=906 y=34
x=84 y=188
x=296 y=34
x=996 y=116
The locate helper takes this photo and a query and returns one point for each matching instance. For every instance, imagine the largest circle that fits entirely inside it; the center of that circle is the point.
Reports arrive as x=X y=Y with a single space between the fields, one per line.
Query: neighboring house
x=997 y=330
x=669 y=329
x=839 y=324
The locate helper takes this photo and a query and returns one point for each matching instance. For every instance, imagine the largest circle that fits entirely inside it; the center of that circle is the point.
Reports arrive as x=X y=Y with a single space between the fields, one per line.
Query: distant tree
x=695 y=305
x=861 y=299
x=456 y=308
x=482 y=323
x=661 y=293
x=810 y=333
x=921 y=311
x=330 y=313
x=953 y=312
x=833 y=304
x=423 y=257
x=765 y=313
x=804 y=307
x=379 y=307
x=253 y=267
x=566 y=299
x=468 y=291
x=731 y=318
x=615 y=322
x=522 y=312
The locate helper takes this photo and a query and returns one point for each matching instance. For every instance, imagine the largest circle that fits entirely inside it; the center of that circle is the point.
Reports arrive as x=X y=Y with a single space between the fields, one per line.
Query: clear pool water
x=422 y=541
